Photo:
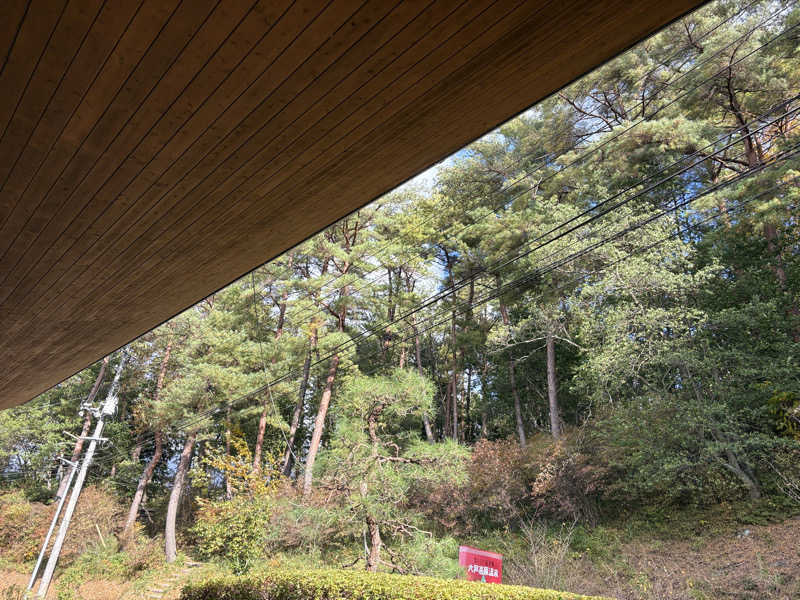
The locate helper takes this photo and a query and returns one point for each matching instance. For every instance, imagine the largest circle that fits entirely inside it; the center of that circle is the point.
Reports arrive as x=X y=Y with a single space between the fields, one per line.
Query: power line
x=365 y=335
x=668 y=84
x=501 y=263
x=448 y=292
x=524 y=280
x=644 y=77
x=594 y=149
x=517 y=283
x=504 y=262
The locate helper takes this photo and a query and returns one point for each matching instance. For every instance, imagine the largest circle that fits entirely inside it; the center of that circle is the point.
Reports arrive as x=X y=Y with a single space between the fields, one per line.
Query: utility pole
x=67 y=484
x=108 y=409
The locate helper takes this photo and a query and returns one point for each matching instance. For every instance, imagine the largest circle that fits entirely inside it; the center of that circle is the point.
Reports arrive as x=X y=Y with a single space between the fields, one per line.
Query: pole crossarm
x=108 y=409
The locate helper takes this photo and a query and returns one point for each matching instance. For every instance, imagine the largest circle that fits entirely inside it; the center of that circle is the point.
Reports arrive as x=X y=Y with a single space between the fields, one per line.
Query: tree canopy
x=595 y=307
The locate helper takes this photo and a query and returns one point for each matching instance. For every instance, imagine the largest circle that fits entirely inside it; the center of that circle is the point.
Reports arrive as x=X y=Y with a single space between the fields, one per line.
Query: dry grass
x=13 y=584
x=23 y=524
x=763 y=565
x=101 y=590
x=546 y=564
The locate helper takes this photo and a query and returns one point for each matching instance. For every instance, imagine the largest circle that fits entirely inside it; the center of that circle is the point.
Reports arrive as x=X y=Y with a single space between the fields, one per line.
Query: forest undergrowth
x=575 y=343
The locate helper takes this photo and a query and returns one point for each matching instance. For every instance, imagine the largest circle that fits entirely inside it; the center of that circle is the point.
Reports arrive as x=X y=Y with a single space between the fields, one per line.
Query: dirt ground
x=12 y=581
x=101 y=590
x=752 y=563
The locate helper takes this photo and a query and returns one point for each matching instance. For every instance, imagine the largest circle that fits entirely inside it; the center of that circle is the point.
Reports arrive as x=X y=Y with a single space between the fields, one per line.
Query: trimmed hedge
x=358 y=585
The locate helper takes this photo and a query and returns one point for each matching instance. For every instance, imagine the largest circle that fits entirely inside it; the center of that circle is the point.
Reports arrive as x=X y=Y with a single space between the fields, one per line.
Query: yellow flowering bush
x=235 y=530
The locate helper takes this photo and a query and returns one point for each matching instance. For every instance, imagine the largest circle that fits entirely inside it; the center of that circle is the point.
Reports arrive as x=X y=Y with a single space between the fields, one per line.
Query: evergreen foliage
x=594 y=310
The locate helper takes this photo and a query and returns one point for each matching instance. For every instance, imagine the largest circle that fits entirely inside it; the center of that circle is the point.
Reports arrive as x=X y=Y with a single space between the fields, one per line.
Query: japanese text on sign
x=481 y=565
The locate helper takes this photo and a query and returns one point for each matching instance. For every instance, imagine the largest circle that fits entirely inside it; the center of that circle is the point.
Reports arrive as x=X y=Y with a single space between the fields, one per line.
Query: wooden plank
x=190 y=160
x=319 y=87
x=214 y=31
x=12 y=13
x=30 y=44
x=339 y=172
x=170 y=42
x=63 y=45
x=196 y=205
x=116 y=71
x=374 y=147
x=250 y=197
x=329 y=23
x=90 y=58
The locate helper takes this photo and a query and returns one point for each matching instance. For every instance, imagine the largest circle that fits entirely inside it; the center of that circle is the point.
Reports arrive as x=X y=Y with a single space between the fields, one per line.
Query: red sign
x=481 y=565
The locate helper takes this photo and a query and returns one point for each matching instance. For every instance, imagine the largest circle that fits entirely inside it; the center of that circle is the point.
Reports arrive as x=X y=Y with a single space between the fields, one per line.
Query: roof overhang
x=154 y=151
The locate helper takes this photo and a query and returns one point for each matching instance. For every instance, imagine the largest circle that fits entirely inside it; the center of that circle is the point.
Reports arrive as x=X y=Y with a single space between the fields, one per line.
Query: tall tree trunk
x=455 y=405
x=282 y=306
x=454 y=389
x=162 y=372
x=147 y=474
x=467 y=429
x=262 y=427
x=228 y=486
x=144 y=480
x=469 y=314
x=386 y=338
x=426 y=422
x=136 y=454
x=771 y=235
x=451 y=408
x=446 y=410
x=262 y=421
x=170 y=544
x=722 y=205
x=484 y=416
x=523 y=440
x=435 y=377
x=755 y=157
x=552 y=387
x=297 y=415
x=778 y=267
x=374 y=559
x=87 y=423
x=319 y=423
x=512 y=379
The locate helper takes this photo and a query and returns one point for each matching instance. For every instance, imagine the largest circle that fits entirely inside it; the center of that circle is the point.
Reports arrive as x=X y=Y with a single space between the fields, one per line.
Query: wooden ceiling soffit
x=154 y=151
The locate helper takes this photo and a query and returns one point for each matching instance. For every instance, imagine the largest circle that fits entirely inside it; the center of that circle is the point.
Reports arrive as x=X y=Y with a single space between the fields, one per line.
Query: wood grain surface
x=152 y=152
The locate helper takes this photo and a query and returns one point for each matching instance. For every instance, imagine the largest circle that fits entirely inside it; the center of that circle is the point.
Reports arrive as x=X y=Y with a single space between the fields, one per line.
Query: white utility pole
x=73 y=467
x=109 y=408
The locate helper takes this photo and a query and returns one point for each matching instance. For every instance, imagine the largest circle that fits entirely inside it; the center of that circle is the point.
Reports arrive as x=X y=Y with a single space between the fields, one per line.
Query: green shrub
x=15 y=592
x=99 y=561
x=234 y=530
x=352 y=585
x=423 y=554
x=105 y=562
